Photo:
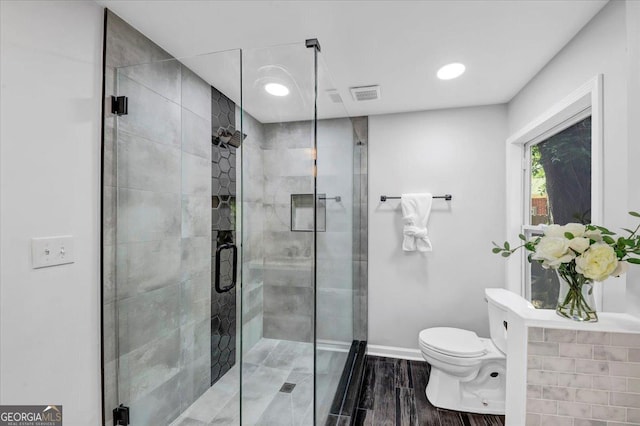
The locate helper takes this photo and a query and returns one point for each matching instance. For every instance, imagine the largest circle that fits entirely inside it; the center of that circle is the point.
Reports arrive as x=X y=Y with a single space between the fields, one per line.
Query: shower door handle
x=234 y=266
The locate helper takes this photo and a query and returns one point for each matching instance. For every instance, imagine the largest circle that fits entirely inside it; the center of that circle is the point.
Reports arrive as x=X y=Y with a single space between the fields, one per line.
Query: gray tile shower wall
x=341 y=255
x=253 y=213
x=335 y=247
x=360 y=227
x=288 y=256
x=157 y=188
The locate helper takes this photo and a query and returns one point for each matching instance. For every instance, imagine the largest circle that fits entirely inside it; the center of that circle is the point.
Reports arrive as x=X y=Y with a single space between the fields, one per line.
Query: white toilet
x=468 y=373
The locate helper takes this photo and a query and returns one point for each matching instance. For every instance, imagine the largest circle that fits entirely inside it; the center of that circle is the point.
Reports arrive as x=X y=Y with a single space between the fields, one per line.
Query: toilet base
x=483 y=394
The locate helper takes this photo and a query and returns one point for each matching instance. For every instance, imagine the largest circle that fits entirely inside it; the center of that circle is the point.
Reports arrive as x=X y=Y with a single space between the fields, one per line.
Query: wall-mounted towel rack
x=384 y=198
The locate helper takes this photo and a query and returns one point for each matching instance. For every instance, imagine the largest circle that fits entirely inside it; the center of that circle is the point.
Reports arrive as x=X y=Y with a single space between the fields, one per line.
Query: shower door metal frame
x=315 y=45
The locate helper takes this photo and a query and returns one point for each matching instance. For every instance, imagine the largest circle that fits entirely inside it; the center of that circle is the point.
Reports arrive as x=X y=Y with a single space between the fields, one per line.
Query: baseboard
x=394 y=352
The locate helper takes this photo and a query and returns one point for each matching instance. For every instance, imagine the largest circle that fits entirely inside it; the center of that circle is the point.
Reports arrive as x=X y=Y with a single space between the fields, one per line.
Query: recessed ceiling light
x=276 y=89
x=451 y=71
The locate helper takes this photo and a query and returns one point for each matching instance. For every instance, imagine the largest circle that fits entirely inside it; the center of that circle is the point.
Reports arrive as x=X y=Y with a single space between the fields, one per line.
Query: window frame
x=584 y=101
x=528 y=231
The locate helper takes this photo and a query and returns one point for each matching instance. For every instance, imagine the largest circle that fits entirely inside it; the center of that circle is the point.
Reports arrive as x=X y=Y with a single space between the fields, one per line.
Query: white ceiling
x=396 y=44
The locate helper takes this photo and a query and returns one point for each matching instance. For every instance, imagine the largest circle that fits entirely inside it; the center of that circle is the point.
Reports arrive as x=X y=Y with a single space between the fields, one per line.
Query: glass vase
x=575 y=298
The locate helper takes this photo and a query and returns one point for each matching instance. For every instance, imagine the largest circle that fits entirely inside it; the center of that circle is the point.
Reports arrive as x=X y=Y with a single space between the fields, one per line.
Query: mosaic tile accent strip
x=223 y=192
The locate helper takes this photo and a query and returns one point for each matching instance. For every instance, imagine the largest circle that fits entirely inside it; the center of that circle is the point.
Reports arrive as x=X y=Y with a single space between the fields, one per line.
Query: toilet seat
x=454 y=342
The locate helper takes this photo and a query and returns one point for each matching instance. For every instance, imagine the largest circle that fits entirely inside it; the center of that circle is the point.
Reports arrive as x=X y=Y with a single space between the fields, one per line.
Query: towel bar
x=384 y=198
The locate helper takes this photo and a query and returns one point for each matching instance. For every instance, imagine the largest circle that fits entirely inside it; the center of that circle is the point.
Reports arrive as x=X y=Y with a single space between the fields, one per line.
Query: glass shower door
x=175 y=252
x=231 y=238
x=148 y=268
x=278 y=193
x=301 y=218
x=337 y=245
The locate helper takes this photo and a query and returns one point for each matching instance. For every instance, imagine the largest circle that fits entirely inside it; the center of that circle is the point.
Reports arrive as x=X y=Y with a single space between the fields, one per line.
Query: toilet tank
x=499 y=300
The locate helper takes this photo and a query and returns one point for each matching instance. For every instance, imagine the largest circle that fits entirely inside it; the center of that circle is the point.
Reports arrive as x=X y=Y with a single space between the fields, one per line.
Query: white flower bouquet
x=580 y=254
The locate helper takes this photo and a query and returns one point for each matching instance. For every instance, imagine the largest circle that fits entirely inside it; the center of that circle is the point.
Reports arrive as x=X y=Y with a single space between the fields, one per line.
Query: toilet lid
x=452 y=341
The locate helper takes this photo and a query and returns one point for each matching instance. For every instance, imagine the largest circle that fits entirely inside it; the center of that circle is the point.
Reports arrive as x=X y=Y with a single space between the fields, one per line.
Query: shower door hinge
x=313 y=42
x=121 y=416
x=120 y=105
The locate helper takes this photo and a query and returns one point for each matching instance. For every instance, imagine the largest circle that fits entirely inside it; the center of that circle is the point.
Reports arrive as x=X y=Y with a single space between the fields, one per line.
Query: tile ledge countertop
x=607 y=321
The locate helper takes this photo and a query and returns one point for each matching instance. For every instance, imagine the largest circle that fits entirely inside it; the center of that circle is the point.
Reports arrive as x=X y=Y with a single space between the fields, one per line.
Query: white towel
x=415 y=214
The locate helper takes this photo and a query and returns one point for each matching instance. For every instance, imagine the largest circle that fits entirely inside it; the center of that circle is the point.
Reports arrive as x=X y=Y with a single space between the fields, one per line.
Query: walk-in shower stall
x=234 y=246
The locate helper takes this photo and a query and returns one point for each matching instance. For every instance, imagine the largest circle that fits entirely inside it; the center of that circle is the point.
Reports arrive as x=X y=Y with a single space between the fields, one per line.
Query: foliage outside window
x=560 y=193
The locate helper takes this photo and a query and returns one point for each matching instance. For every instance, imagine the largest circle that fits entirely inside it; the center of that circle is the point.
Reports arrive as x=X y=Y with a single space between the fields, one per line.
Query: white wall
x=599 y=48
x=49 y=174
x=456 y=151
x=633 y=98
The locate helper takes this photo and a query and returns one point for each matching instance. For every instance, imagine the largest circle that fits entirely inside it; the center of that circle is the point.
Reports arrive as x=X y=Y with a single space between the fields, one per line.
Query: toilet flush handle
x=505 y=325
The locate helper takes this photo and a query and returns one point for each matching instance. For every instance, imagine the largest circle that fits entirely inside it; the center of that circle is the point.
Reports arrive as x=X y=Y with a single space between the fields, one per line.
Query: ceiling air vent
x=365 y=93
x=334 y=96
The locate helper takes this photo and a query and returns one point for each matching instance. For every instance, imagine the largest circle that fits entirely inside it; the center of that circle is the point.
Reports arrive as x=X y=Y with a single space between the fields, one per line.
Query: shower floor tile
x=267 y=366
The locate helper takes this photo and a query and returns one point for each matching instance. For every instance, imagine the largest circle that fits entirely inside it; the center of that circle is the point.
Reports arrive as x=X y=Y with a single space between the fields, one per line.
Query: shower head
x=224 y=136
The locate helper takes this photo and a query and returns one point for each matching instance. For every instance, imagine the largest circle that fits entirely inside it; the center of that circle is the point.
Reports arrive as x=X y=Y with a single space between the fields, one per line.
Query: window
x=542 y=148
x=558 y=191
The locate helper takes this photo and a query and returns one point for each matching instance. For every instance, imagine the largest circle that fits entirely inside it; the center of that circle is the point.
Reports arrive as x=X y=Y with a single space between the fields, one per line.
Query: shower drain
x=287 y=387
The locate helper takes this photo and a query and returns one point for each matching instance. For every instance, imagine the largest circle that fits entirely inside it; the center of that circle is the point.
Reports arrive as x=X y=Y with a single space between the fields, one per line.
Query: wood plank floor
x=393 y=393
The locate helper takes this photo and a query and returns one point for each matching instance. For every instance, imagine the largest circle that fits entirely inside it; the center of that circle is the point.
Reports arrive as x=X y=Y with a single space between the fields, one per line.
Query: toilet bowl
x=468 y=373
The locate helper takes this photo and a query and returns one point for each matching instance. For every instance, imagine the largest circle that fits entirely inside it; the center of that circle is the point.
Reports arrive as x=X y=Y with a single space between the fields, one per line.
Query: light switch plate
x=52 y=251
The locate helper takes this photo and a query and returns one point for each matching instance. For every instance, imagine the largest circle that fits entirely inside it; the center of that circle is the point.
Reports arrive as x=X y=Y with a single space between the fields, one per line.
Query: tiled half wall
x=582 y=378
